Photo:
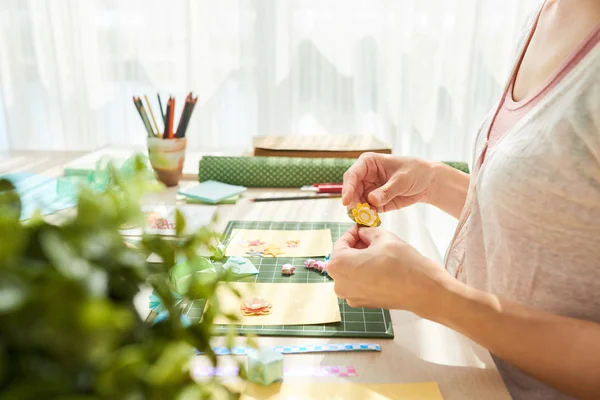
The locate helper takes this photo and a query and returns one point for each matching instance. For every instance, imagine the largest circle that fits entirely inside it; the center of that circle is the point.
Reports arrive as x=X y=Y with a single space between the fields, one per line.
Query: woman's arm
x=449 y=189
x=372 y=267
x=562 y=352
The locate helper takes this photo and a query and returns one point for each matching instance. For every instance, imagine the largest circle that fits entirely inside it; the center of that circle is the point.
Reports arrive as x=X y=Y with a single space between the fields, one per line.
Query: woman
x=524 y=265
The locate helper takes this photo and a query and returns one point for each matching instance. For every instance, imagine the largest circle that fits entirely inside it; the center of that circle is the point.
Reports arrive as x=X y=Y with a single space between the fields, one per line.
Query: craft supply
x=162 y=112
x=152 y=116
x=289 y=303
x=292 y=197
x=256 y=306
x=272 y=171
x=317 y=371
x=156 y=305
x=39 y=192
x=302 y=349
x=160 y=220
x=278 y=172
x=288 y=269
x=167 y=116
x=272 y=251
x=311 y=243
x=229 y=200
x=364 y=215
x=350 y=146
x=310 y=263
x=240 y=266
x=323 y=188
x=184 y=272
x=146 y=121
x=265 y=366
x=164 y=316
x=320 y=266
x=291 y=389
x=211 y=192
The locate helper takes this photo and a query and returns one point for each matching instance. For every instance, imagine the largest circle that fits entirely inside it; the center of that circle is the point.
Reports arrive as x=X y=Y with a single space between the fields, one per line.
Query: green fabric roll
x=282 y=172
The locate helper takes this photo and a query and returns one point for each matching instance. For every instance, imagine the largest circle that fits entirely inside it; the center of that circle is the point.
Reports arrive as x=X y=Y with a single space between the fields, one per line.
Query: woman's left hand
x=372 y=267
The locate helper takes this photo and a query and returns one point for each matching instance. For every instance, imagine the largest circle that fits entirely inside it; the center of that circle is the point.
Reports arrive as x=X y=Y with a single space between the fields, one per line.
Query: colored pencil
x=185 y=114
x=189 y=116
x=152 y=115
x=162 y=113
x=171 y=116
x=140 y=107
x=145 y=117
x=283 y=198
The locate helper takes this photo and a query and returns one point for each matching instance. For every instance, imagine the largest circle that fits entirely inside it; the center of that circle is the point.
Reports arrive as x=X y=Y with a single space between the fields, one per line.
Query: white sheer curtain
x=418 y=73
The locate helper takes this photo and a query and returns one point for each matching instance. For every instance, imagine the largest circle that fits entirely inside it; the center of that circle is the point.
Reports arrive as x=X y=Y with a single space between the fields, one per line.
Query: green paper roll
x=273 y=171
x=281 y=172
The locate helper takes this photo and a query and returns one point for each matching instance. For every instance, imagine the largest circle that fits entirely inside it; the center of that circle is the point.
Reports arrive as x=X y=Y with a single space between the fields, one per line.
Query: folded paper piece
x=289 y=300
x=304 y=371
x=265 y=366
x=211 y=192
x=288 y=269
x=160 y=219
x=184 y=272
x=274 y=243
x=364 y=215
x=342 y=390
x=156 y=304
x=39 y=192
x=256 y=307
x=301 y=349
x=240 y=266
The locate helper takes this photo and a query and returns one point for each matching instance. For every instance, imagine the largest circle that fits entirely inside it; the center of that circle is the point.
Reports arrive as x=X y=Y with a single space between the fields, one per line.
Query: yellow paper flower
x=363 y=215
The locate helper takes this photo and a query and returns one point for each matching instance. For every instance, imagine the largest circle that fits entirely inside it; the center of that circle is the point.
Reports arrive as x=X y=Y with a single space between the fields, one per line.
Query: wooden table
x=421 y=350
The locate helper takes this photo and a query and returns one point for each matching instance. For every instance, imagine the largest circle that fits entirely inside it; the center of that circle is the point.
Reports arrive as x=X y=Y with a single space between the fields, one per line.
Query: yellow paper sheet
x=342 y=390
x=293 y=303
x=309 y=243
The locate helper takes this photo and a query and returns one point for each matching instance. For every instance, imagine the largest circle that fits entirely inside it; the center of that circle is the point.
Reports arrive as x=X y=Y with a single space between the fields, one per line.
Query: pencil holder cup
x=167 y=157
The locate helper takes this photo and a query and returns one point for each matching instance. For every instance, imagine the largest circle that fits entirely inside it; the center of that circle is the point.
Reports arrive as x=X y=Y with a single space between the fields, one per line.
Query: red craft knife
x=323 y=188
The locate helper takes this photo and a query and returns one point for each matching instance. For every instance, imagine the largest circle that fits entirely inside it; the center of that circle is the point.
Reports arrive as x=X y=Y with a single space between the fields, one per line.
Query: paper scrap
x=310 y=243
x=292 y=303
x=240 y=266
x=342 y=390
x=160 y=219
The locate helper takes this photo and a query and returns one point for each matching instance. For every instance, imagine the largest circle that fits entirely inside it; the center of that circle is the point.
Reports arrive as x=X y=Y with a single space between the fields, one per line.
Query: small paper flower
x=254 y=252
x=255 y=243
x=362 y=214
x=256 y=306
x=292 y=243
x=272 y=251
x=319 y=266
x=310 y=263
x=324 y=270
x=288 y=269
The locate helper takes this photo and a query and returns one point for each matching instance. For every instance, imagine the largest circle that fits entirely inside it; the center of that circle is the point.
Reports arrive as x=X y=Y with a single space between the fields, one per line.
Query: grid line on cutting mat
x=356 y=322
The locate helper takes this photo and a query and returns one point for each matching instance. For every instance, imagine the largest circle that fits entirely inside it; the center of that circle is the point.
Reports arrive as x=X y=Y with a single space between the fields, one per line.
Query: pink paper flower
x=288 y=269
x=310 y=263
x=319 y=266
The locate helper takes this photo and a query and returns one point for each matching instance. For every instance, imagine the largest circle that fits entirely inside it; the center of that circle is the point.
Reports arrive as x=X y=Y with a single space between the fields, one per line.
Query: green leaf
x=179 y=223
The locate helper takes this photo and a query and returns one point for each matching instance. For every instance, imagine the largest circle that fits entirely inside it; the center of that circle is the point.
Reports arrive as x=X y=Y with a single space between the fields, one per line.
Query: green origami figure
x=183 y=272
x=265 y=366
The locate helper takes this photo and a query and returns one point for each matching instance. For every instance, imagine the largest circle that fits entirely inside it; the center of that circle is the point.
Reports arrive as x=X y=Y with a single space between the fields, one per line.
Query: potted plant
x=68 y=325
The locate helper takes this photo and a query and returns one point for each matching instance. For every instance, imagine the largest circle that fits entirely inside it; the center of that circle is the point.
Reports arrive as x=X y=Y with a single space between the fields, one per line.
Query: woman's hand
x=372 y=267
x=387 y=182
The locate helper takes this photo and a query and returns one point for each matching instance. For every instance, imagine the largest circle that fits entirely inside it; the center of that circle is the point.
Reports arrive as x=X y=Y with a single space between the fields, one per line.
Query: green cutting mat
x=356 y=322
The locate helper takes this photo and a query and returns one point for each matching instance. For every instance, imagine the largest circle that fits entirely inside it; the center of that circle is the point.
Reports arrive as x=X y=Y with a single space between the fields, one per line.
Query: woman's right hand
x=388 y=183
